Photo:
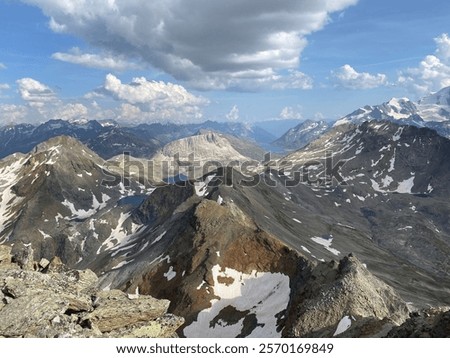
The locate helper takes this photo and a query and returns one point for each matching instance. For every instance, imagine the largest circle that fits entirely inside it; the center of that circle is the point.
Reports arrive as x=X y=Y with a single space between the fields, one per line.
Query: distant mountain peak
x=441 y=97
x=108 y=123
x=398 y=102
x=302 y=134
x=64 y=143
x=432 y=111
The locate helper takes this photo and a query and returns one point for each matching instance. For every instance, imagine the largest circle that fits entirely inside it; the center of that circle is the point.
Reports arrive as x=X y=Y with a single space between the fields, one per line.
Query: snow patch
x=121 y=264
x=159 y=237
x=169 y=275
x=405 y=228
x=405 y=186
x=46 y=236
x=392 y=162
x=398 y=134
x=376 y=163
x=263 y=294
x=385 y=182
x=361 y=198
x=119 y=236
x=82 y=214
x=201 y=186
x=344 y=324
x=201 y=285
x=78 y=213
x=305 y=249
x=341 y=122
x=326 y=243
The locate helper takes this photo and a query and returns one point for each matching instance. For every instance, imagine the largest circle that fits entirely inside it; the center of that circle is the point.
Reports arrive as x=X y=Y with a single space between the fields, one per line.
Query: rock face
x=198 y=150
x=429 y=323
x=335 y=295
x=60 y=302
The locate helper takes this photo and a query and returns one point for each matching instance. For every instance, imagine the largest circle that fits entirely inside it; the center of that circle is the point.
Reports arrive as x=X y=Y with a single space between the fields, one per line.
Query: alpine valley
x=344 y=232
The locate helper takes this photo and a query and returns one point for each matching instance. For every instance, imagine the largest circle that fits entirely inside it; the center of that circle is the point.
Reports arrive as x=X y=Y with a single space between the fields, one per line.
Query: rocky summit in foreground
x=47 y=299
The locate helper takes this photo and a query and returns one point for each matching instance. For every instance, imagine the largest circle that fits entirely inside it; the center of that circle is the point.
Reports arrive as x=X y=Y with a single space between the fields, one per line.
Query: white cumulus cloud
x=210 y=44
x=443 y=46
x=290 y=113
x=432 y=73
x=71 y=111
x=347 y=77
x=139 y=101
x=233 y=115
x=34 y=92
x=152 y=100
x=105 y=61
x=12 y=114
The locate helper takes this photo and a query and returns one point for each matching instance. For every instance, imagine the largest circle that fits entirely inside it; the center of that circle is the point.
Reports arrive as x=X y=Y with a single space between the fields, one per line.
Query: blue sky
x=193 y=60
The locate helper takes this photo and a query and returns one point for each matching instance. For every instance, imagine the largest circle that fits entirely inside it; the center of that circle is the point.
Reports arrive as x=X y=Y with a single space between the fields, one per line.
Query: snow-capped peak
x=432 y=111
x=399 y=108
x=435 y=107
x=398 y=102
x=441 y=98
x=79 y=121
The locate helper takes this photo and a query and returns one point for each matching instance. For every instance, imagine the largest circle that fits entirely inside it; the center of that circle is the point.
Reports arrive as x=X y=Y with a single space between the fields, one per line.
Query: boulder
x=111 y=305
x=5 y=255
x=67 y=303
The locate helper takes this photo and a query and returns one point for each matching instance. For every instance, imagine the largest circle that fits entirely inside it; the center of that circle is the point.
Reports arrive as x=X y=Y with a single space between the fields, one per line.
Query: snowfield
x=261 y=295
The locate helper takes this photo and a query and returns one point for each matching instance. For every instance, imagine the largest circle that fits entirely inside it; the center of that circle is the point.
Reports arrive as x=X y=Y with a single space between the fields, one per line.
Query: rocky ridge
x=47 y=299
x=336 y=295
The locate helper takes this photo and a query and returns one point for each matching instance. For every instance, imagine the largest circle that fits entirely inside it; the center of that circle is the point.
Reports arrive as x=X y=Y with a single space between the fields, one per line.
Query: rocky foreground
x=47 y=299
x=335 y=299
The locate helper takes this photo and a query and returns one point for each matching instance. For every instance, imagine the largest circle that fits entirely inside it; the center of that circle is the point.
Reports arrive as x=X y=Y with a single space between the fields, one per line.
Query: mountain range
x=347 y=235
x=108 y=139
x=432 y=111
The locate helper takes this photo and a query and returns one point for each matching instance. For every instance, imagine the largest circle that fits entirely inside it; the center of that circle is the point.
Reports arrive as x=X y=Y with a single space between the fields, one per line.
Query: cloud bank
x=140 y=101
x=433 y=72
x=208 y=44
